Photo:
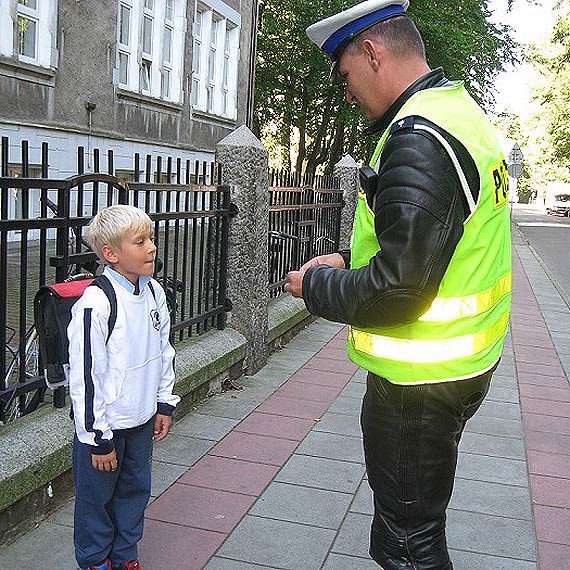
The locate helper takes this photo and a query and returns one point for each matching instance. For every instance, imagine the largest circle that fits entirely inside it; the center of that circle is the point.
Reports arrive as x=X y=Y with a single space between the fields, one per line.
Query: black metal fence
x=304 y=221
x=42 y=221
x=41 y=228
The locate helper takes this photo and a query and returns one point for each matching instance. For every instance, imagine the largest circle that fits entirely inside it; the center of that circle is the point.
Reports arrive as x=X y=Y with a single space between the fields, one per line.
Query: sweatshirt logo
x=155 y=318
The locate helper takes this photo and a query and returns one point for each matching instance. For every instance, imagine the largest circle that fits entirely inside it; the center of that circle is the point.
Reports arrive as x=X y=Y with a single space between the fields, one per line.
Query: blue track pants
x=109 y=506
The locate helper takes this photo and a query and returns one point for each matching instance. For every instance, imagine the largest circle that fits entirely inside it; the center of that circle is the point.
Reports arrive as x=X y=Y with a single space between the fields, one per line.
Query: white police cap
x=334 y=33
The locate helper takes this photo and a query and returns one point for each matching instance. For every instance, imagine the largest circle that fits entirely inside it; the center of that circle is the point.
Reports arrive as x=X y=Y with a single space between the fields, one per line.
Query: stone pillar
x=347 y=170
x=244 y=163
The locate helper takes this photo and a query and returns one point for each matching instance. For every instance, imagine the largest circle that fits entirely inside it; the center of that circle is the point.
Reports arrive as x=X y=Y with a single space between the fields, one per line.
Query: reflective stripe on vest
x=443 y=310
x=428 y=351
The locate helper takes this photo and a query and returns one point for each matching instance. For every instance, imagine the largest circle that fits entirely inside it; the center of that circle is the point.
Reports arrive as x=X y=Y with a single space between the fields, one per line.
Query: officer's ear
x=371 y=51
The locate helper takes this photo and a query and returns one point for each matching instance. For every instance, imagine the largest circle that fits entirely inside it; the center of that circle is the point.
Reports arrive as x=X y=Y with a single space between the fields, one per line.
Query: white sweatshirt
x=119 y=383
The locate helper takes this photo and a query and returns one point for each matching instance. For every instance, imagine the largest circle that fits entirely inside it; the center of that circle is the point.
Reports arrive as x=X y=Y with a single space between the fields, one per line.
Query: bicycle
x=21 y=400
x=22 y=395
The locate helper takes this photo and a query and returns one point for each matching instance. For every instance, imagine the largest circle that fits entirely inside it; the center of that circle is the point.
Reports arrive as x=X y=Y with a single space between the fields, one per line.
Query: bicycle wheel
x=17 y=406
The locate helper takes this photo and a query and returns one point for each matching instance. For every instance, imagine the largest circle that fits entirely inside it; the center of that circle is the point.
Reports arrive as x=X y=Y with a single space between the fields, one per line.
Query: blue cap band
x=353 y=28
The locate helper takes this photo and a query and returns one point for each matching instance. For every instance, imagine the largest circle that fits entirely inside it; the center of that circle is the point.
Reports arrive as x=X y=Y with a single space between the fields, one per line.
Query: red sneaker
x=131 y=565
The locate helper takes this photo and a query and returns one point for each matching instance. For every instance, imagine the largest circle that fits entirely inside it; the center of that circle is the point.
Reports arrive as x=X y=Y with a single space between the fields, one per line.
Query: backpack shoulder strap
x=105 y=285
x=152 y=290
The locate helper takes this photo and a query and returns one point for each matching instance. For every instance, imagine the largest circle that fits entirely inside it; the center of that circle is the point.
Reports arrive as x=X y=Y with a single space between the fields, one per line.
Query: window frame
x=197 y=43
x=30 y=16
x=44 y=18
x=124 y=49
x=214 y=80
x=166 y=64
x=149 y=72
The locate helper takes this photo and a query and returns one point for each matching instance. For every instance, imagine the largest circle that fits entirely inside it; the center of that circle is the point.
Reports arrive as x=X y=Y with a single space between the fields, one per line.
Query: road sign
x=516 y=154
x=515 y=169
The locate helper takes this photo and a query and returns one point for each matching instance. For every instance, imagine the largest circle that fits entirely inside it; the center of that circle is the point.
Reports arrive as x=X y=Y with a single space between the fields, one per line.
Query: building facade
x=159 y=77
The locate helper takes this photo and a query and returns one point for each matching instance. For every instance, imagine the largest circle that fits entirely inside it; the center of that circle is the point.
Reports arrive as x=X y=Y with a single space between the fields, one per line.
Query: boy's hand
x=105 y=462
x=162 y=425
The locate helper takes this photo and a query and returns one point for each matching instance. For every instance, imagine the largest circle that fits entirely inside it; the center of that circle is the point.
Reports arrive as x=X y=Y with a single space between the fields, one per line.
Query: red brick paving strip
x=188 y=523
x=545 y=402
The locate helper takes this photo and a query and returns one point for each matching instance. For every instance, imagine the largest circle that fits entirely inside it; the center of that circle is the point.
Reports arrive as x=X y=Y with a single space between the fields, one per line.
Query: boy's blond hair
x=111 y=224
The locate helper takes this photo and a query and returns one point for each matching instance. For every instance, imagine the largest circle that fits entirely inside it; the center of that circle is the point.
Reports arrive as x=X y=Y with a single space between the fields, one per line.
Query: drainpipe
x=90 y=107
x=253 y=54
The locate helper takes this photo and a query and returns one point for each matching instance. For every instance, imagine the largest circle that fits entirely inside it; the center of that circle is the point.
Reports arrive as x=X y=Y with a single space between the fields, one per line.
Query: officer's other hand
x=294 y=284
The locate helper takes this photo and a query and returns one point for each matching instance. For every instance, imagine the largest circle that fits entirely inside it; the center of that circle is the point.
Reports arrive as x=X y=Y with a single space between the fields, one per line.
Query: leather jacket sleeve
x=419 y=213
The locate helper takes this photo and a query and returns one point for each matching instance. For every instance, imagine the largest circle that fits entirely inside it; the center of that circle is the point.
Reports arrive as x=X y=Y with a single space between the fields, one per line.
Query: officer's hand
x=333 y=259
x=105 y=462
x=162 y=425
x=294 y=283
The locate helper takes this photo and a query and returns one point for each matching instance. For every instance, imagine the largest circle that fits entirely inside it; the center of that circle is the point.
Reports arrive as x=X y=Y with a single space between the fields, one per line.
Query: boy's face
x=134 y=257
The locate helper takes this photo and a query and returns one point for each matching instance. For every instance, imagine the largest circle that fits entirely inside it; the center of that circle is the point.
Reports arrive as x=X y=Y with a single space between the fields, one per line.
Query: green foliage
x=297 y=108
x=524 y=184
x=460 y=38
x=553 y=62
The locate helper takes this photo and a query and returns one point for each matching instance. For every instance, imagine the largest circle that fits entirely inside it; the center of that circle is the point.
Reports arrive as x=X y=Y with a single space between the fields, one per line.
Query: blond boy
x=120 y=384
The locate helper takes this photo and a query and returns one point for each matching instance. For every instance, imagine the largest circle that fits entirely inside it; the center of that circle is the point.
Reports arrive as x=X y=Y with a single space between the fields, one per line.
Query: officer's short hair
x=400 y=35
x=111 y=224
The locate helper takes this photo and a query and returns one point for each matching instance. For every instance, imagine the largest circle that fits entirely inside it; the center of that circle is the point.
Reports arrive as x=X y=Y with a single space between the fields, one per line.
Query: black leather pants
x=411 y=434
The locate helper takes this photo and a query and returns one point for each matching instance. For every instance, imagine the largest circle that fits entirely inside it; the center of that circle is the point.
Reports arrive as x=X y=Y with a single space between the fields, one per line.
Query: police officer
x=426 y=285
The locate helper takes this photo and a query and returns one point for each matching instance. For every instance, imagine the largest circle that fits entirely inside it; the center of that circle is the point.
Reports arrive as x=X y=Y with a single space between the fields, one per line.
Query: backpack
x=52 y=314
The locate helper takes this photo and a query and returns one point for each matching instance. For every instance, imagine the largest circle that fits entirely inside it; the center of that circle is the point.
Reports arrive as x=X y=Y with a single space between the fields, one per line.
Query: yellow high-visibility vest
x=463 y=332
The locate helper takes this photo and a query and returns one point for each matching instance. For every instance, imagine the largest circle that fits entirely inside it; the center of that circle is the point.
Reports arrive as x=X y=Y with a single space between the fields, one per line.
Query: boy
x=121 y=391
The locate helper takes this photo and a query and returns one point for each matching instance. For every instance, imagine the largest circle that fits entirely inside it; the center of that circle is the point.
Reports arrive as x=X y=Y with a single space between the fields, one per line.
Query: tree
x=295 y=101
x=553 y=61
x=548 y=142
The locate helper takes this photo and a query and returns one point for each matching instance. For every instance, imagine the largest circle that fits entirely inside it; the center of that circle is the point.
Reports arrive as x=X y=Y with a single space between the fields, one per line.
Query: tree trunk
x=315 y=155
x=285 y=139
x=302 y=126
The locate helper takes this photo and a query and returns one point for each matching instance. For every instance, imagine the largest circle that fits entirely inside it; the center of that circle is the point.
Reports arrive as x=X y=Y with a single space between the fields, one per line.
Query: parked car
x=560 y=205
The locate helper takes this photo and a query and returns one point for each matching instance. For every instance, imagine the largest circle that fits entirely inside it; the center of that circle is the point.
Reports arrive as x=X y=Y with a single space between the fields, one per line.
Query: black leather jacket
x=419 y=208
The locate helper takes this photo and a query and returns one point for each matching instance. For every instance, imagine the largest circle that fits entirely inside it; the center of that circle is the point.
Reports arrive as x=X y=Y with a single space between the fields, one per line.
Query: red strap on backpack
x=70 y=289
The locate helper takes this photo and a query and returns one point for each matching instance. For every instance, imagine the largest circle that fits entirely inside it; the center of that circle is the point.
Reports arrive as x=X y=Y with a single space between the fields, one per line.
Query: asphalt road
x=549 y=237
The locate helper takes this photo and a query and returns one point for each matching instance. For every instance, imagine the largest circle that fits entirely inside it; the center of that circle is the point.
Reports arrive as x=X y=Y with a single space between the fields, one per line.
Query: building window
x=124 y=42
x=211 y=79
x=167 y=35
x=150 y=47
x=215 y=59
x=27 y=31
x=226 y=71
x=169 y=11
x=196 y=55
x=28 y=18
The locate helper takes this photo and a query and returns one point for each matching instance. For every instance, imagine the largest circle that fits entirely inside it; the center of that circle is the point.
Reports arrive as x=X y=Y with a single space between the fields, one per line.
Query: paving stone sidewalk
x=272 y=476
